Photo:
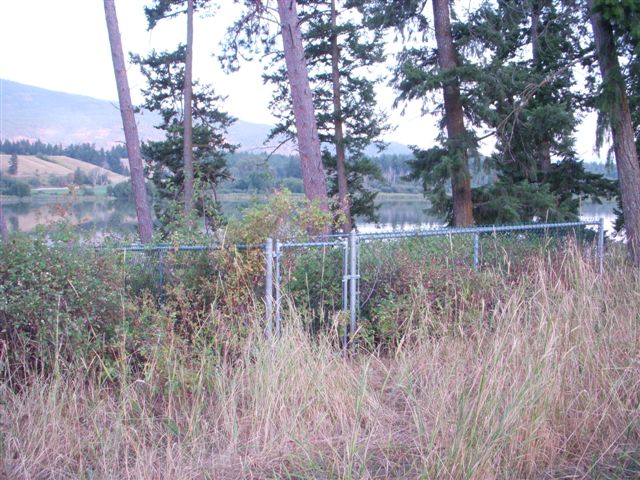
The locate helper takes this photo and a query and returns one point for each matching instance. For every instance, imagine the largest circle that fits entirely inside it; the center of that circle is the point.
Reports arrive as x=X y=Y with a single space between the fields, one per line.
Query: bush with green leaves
x=57 y=300
x=12 y=187
x=20 y=189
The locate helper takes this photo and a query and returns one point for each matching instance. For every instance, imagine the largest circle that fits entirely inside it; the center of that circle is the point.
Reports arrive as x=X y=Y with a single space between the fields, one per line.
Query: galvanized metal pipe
x=345 y=289
x=278 y=297
x=181 y=248
x=161 y=271
x=476 y=251
x=268 y=294
x=353 y=251
x=600 y=251
x=470 y=230
x=311 y=244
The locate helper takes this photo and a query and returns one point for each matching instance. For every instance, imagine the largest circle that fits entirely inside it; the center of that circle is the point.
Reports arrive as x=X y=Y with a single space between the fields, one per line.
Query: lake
x=401 y=211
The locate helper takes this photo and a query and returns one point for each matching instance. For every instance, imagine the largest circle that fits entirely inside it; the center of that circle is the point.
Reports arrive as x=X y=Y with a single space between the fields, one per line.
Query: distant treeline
x=607 y=170
x=87 y=152
x=259 y=172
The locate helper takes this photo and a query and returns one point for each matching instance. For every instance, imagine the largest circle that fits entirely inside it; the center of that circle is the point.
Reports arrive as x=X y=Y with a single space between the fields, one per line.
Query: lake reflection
x=98 y=216
x=117 y=216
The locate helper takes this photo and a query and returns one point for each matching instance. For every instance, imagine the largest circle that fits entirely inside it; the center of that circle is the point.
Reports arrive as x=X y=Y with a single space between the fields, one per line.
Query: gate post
x=476 y=251
x=353 y=275
x=268 y=293
x=278 y=295
x=600 y=252
x=345 y=289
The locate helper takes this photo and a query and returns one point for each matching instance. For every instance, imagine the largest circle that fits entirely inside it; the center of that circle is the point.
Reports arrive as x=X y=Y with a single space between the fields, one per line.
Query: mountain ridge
x=35 y=113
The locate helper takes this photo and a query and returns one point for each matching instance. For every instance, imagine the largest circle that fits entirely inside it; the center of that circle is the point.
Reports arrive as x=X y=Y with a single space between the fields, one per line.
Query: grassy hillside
x=43 y=168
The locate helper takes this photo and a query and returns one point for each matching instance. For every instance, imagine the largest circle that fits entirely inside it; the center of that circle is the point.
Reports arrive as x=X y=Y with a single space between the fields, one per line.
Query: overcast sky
x=63 y=45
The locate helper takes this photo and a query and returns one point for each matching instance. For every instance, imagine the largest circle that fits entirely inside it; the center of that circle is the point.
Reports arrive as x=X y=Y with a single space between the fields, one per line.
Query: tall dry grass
x=546 y=385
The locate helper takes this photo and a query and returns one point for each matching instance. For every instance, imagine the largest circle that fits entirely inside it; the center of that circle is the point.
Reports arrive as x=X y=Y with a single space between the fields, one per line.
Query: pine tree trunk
x=188 y=114
x=622 y=131
x=4 y=231
x=136 y=168
x=313 y=178
x=341 y=168
x=544 y=161
x=454 y=117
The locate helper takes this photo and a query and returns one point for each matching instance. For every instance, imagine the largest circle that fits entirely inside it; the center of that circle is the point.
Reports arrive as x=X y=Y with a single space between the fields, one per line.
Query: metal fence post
x=161 y=272
x=278 y=296
x=353 y=274
x=345 y=288
x=268 y=293
x=476 y=251
x=600 y=251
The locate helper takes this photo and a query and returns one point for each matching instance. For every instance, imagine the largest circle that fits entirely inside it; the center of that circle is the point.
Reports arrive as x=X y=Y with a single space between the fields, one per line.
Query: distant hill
x=42 y=168
x=33 y=113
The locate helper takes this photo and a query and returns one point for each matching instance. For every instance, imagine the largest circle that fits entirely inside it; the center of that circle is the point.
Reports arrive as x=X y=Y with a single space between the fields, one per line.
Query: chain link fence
x=342 y=278
x=337 y=280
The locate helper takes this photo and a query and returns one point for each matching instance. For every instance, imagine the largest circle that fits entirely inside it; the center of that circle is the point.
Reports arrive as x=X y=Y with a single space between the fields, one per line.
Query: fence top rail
x=472 y=230
x=310 y=244
x=180 y=248
x=341 y=238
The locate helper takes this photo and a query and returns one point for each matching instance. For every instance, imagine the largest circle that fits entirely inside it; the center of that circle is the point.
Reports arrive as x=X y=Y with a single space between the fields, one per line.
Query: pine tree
x=165 y=74
x=253 y=33
x=143 y=211
x=339 y=53
x=529 y=104
x=514 y=64
x=457 y=135
x=159 y=10
x=615 y=103
x=302 y=102
x=421 y=71
x=13 y=164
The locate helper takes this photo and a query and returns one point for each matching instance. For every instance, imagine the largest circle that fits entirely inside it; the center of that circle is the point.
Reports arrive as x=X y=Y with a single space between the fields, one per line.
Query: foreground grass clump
x=545 y=385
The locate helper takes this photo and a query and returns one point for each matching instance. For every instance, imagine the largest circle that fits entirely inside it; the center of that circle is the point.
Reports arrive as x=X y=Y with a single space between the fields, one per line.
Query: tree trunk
x=341 y=168
x=544 y=161
x=136 y=168
x=188 y=114
x=622 y=130
x=313 y=178
x=454 y=117
x=4 y=231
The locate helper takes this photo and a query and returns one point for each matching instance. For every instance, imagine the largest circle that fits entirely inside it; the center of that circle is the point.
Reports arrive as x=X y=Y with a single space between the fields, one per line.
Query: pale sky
x=63 y=45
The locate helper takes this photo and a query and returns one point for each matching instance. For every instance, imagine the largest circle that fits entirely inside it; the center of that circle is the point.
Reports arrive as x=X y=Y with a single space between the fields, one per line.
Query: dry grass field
x=42 y=168
x=545 y=386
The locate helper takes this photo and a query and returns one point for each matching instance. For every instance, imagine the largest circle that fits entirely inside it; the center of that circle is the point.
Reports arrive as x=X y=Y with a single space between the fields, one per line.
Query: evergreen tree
x=339 y=53
x=515 y=66
x=528 y=102
x=13 y=164
x=143 y=211
x=165 y=75
x=421 y=71
x=159 y=10
x=313 y=176
x=614 y=104
x=254 y=32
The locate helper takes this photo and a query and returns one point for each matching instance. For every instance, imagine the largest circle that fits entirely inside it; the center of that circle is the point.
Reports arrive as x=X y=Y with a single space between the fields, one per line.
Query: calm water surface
x=99 y=216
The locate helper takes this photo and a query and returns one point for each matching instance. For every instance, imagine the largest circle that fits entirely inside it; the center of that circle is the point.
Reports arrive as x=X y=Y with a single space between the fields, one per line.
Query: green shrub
x=292 y=184
x=120 y=190
x=59 y=301
x=60 y=180
x=17 y=188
